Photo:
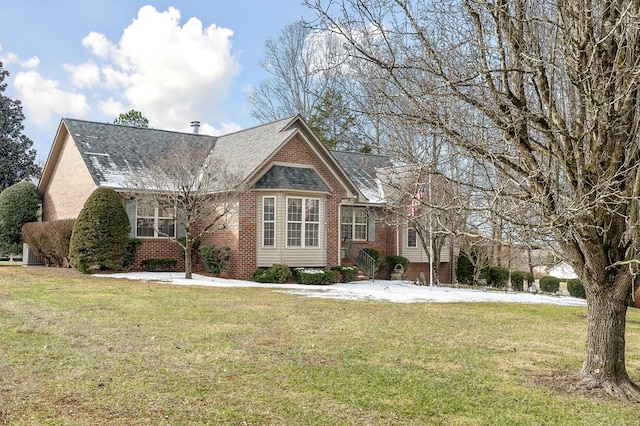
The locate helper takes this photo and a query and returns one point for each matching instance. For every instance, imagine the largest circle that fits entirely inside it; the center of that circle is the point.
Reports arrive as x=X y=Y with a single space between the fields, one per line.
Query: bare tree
x=547 y=94
x=193 y=190
x=301 y=70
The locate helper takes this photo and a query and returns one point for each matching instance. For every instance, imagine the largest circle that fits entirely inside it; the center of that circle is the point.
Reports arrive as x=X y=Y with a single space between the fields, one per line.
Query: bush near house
x=276 y=274
x=518 y=278
x=575 y=288
x=464 y=270
x=215 y=257
x=394 y=260
x=49 y=240
x=130 y=255
x=549 y=284
x=313 y=276
x=101 y=233
x=377 y=256
x=19 y=204
x=346 y=274
x=159 y=265
x=496 y=276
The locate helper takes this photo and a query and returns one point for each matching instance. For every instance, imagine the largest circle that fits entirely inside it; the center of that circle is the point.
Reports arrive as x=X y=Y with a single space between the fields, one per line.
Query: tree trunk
x=604 y=363
x=187 y=257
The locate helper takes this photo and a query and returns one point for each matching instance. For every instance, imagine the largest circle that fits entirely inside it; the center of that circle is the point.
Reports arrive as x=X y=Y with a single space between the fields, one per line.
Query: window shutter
x=371 y=225
x=130 y=207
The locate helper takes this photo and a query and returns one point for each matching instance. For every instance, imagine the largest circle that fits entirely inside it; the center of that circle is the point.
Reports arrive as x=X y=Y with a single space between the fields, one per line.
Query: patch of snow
x=383 y=290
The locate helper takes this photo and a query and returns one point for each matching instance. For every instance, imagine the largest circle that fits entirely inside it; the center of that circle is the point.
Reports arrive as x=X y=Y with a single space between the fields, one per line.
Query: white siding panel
x=293 y=256
x=418 y=254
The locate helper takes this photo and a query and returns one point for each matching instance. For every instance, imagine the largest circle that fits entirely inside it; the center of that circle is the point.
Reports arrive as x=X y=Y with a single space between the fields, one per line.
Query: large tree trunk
x=604 y=363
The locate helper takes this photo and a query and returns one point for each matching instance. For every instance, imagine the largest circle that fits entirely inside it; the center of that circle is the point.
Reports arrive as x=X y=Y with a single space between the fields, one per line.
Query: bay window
x=303 y=222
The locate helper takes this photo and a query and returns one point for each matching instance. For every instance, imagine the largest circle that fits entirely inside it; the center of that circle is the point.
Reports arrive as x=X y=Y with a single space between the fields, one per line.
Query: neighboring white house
x=563 y=271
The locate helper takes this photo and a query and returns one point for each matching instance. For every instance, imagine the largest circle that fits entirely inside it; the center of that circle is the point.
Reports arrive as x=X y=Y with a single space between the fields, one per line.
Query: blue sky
x=175 y=61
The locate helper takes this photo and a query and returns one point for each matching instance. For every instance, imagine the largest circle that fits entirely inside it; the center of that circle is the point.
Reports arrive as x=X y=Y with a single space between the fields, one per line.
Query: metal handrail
x=360 y=257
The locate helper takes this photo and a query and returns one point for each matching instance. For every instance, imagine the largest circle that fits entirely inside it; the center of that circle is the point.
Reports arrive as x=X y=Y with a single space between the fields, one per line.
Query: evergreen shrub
x=576 y=289
x=19 y=204
x=278 y=274
x=498 y=276
x=313 y=276
x=101 y=233
x=394 y=260
x=215 y=257
x=347 y=274
x=549 y=284
x=159 y=265
x=518 y=278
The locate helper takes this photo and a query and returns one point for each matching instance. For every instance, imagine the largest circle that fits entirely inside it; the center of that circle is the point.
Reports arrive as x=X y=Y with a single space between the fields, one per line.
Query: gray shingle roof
x=362 y=170
x=287 y=177
x=112 y=152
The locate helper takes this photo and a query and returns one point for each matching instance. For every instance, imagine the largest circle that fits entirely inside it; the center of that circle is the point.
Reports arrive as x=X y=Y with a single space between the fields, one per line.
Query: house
x=282 y=165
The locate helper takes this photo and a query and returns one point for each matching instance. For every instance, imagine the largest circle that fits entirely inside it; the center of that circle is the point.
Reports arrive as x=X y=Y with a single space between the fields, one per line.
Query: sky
x=175 y=61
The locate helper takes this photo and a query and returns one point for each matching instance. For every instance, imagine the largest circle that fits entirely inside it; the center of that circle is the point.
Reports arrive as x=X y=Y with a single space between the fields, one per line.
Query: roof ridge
x=137 y=127
x=272 y=123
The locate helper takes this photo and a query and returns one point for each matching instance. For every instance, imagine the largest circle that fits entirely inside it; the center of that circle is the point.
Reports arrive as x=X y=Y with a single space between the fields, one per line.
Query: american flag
x=416 y=200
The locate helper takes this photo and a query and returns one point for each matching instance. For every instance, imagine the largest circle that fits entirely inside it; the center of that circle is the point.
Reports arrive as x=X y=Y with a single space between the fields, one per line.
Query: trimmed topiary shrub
x=576 y=289
x=464 y=269
x=497 y=276
x=101 y=233
x=49 y=240
x=19 y=204
x=313 y=276
x=518 y=278
x=215 y=257
x=394 y=260
x=549 y=284
x=276 y=274
x=159 y=265
x=347 y=273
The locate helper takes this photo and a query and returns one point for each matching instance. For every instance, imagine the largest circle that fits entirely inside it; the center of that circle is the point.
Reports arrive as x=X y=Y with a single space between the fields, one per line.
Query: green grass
x=80 y=350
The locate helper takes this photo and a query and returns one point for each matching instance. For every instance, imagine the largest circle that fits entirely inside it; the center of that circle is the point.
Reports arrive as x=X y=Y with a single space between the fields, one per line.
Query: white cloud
x=112 y=108
x=84 y=75
x=171 y=73
x=98 y=44
x=224 y=128
x=12 y=58
x=42 y=98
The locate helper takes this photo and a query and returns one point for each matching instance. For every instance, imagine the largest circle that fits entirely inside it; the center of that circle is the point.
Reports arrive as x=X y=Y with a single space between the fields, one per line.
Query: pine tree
x=17 y=158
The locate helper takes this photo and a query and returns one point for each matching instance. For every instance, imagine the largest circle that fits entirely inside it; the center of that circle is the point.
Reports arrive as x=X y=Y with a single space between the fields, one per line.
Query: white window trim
x=353 y=223
x=274 y=221
x=156 y=217
x=303 y=223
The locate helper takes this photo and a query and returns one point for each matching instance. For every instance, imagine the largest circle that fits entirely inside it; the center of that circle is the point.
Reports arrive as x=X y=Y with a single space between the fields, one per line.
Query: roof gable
x=288 y=177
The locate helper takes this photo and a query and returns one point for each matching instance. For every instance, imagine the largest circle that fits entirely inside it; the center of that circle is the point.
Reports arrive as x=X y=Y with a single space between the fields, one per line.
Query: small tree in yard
x=19 y=204
x=197 y=191
x=101 y=233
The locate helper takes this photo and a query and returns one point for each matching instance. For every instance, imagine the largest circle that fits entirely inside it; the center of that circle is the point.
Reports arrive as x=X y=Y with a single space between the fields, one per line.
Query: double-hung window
x=354 y=223
x=412 y=238
x=155 y=220
x=269 y=221
x=303 y=222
